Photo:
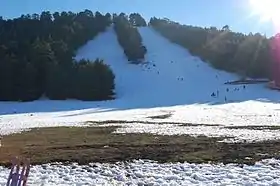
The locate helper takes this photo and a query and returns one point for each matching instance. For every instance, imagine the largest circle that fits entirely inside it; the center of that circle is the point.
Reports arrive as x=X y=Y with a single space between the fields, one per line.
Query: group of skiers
x=216 y=94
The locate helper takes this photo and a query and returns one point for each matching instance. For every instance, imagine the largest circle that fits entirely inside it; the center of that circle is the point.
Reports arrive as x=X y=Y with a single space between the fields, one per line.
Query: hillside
x=251 y=55
x=169 y=76
x=40 y=63
x=171 y=82
x=170 y=106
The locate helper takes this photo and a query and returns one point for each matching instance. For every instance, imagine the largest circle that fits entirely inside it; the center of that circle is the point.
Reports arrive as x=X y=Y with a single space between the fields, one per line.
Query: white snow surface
x=145 y=172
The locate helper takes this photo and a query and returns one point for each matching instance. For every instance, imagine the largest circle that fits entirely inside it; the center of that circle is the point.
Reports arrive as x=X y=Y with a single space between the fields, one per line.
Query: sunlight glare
x=267 y=10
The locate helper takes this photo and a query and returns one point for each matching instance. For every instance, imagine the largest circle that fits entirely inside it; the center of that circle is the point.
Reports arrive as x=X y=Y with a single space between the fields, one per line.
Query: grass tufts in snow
x=116 y=122
x=100 y=144
x=255 y=127
x=162 y=116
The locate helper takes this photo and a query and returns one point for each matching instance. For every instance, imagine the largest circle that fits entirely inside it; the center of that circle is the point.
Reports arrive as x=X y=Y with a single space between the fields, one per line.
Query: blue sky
x=234 y=13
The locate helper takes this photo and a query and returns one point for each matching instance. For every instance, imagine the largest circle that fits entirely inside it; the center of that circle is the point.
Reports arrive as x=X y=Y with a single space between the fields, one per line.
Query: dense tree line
x=36 y=57
x=37 y=51
x=87 y=80
x=128 y=36
x=93 y=81
x=247 y=55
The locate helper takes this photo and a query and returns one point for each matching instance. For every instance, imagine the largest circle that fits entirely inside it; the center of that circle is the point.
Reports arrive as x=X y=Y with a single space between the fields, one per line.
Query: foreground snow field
x=151 y=173
x=226 y=115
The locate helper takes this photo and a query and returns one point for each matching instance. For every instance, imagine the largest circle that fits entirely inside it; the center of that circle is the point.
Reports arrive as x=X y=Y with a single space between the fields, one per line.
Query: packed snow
x=142 y=172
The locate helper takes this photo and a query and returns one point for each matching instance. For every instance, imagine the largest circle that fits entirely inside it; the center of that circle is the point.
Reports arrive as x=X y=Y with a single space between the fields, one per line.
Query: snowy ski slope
x=170 y=77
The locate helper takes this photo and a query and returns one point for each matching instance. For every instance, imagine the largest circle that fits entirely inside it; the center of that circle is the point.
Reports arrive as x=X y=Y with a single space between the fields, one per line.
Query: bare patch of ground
x=254 y=127
x=99 y=144
x=247 y=81
x=106 y=122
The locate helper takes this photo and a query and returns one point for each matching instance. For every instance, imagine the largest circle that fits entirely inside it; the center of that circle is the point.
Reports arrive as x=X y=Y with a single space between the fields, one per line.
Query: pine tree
x=36 y=52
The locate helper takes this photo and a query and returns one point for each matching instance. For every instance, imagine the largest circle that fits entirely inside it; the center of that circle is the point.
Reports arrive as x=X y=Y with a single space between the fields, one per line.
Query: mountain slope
x=184 y=78
x=153 y=89
x=131 y=80
x=170 y=76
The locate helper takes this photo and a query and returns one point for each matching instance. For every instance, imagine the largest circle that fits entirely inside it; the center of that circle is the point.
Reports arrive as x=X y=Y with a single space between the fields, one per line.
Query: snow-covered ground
x=232 y=114
x=265 y=173
x=170 y=82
